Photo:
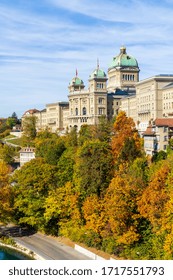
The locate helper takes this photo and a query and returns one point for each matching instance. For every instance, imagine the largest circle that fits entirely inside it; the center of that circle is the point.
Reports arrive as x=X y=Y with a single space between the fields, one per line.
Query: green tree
x=159 y=156
x=65 y=166
x=50 y=148
x=71 y=138
x=104 y=129
x=14 y=116
x=7 y=153
x=11 y=122
x=85 y=134
x=94 y=168
x=29 y=129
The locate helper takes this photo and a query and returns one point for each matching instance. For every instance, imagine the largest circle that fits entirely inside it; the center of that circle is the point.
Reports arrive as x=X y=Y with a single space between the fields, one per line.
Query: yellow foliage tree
x=94 y=214
x=62 y=204
x=5 y=193
x=121 y=209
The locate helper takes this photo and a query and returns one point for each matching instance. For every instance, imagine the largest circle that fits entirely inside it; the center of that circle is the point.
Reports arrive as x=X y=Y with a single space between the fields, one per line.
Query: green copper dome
x=76 y=81
x=97 y=73
x=123 y=60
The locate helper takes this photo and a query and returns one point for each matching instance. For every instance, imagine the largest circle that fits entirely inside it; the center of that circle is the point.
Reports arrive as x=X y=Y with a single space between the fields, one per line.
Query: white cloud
x=118 y=11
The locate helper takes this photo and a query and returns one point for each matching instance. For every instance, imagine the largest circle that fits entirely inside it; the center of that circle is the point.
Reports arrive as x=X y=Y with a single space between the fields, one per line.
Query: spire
x=97 y=63
x=76 y=72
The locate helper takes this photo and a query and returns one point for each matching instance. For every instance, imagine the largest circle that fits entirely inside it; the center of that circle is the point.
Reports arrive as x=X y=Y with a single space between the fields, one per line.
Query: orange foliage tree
x=167 y=218
x=155 y=196
x=126 y=143
x=94 y=214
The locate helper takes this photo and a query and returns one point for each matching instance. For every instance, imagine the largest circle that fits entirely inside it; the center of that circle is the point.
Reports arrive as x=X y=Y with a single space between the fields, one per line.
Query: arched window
x=84 y=111
x=76 y=111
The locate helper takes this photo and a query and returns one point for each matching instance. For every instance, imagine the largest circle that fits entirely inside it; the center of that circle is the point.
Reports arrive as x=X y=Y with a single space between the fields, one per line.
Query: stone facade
x=154 y=99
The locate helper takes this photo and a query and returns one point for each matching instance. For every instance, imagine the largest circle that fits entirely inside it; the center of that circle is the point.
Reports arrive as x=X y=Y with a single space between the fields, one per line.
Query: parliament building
x=108 y=93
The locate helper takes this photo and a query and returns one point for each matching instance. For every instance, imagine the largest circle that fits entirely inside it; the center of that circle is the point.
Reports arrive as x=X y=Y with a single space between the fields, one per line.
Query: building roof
x=27 y=150
x=164 y=122
x=31 y=112
x=161 y=77
x=170 y=85
x=123 y=60
x=149 y=131
x=43 y=110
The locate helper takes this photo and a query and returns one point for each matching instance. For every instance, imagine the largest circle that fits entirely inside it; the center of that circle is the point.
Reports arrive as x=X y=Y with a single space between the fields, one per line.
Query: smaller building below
x=26 y=154
x=157 y=136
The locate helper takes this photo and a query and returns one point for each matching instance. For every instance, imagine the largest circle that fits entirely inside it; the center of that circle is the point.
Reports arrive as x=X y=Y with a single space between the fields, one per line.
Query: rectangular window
x=99 y=85
x=101 y=100
x=101 y=111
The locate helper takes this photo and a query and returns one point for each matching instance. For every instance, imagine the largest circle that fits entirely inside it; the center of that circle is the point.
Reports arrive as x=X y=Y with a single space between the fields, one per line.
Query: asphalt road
x=45 y=246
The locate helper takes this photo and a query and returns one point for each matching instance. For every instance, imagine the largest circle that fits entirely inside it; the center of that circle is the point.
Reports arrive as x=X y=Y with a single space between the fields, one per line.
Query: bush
x=8 y=241
x=109 y=245
x=75 y=233
x=92 y=239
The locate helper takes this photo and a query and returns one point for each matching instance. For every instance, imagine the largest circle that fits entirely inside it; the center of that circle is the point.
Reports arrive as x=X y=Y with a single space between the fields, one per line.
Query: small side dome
x=76 y=84
x=76 y=81
x=97 y=73
x=123 y=60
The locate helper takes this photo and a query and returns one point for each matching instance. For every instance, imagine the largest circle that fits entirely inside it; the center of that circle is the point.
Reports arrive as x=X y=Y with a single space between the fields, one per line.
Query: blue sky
x=43 y=42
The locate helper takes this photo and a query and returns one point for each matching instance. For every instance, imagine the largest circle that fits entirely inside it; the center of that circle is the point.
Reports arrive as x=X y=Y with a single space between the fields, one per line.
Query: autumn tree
x=120 y=209
x=151 y=206
x=126 y=143
x=166 y=220
x=61 y=205
x=124 y=223
x=154 y=197
x=5 y=194
x=31 y=187
x=95 y=220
